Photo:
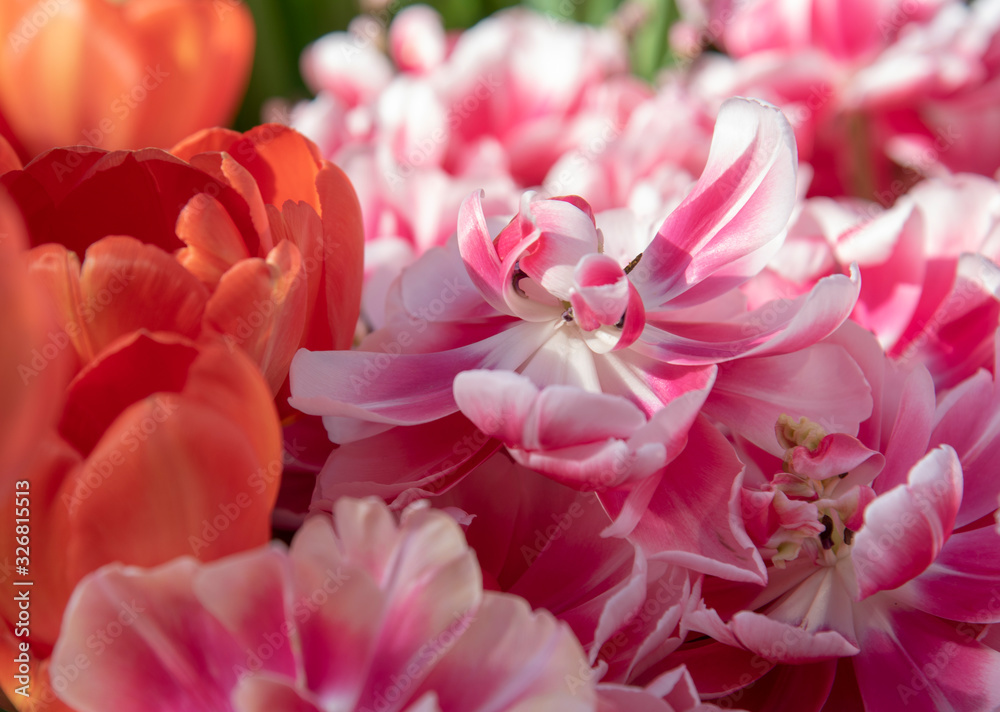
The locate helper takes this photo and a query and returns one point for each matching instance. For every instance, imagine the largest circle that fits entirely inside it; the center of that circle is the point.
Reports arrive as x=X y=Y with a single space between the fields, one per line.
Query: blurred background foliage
x=285 y=27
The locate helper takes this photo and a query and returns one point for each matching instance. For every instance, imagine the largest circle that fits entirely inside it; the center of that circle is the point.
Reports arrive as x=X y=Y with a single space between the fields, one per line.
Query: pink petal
x=567 y=416
x=740 y=205
x=582 y=439
x=821 y=382
x=968 y=419
x=600 y=292
x=405 y=462
x=168 y=654
x=908 y=440
x=719 y=669
x=247 y=595
x=694 y=517
x=400 y=388
x=780 y=326
x=623 y=698
x=417 y=39
x=265 y=693
x=837 y=453
x=439 y=288
x=913 y=661
x=963 y=583
x=905 y=528
x=785 y=643
x=891 y=287
x=497 y=402
x=480 y=256
x=511 y=657
x=353 y=71
x=567 y=236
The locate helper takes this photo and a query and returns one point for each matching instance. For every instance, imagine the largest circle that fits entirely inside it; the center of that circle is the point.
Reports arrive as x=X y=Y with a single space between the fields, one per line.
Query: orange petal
x=196 y=57
x=58 y=271
x=210 y=140
x=299 y=224
x=54 y=462
x=282 y=161
x=194 y=472
x=285 y=164
x=120 y=377
x=225 y=169
x=123 y=285
x=344 y=253
x=214 y=243
x=62 y=81
x=261 y=306
x=229 y=382
x=34 y=360
x=121 y=75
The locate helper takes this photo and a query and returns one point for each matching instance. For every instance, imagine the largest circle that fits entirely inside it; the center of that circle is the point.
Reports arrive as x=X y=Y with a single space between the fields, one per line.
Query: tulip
x=596 y=324
x=121 y=74
x=359 y=611
x=266 y=229
x=148 y=438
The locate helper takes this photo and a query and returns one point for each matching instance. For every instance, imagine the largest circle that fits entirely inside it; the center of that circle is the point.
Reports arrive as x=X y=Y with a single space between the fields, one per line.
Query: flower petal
x=963 y=583
x=694 y=517
x=533 y=661
x=905 y=528
x=401 y=388
x=925 y=664
x=740 y=205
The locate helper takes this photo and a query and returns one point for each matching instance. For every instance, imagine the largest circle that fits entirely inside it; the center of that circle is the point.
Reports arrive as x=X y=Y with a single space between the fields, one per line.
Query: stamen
x=568 y=314
x=826 y=538
x=632 y=265
x=793 y=433
x=621 y=322
x=848 y=536
x=519 y=274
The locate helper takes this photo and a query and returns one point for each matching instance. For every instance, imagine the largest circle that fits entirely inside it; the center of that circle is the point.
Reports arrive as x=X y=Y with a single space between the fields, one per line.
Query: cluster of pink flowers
x=662 y=399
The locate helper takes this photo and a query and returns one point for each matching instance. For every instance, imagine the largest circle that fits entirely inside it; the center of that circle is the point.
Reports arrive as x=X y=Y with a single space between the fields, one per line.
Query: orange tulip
x=148 y=432
x=269 y=231
x=115 y=74
x=28 y=400
x=161 y=441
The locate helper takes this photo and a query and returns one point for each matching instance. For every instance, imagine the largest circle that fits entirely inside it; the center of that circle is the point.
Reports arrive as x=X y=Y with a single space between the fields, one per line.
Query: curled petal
x=778 y=327
x=739 y=206
x=261 y=307
x=905 y=528
x=123 y=286
x=693 y=518
x=600 y=292
x=785 y=643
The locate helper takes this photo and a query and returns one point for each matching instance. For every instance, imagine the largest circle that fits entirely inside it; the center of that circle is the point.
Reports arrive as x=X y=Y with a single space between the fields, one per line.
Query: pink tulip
x=881 y=94
x=878 y=556
x=360 y=614
x=493 y=108
x=591 y=319
x=930 y=281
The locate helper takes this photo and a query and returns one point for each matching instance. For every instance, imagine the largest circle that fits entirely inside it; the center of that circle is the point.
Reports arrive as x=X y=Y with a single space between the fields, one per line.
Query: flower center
x=812 y=516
